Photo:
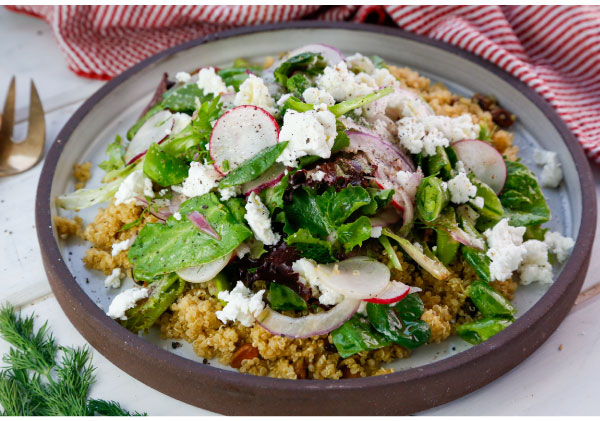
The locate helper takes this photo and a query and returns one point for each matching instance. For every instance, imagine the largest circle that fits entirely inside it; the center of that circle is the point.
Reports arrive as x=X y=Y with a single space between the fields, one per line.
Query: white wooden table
x=560 y=378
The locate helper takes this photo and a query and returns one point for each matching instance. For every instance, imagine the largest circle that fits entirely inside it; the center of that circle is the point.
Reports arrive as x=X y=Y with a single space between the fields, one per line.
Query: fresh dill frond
x=37 y=382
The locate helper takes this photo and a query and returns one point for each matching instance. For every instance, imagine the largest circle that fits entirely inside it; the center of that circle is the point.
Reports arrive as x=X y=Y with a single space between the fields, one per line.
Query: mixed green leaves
x=253 y=167
x=162 y=168
x=236 y=75
x=115 y=152
x=284 y=298
x=357 y=335
x=43 y=378
x=296 y=73
x=522 y=198
x=164 y=248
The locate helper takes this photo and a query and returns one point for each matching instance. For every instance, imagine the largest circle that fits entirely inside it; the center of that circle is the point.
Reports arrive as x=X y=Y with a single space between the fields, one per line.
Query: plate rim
x=74 y=300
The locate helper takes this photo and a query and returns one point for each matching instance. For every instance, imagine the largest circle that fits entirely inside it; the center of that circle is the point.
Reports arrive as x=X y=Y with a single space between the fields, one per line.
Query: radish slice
x=392 y=293
x=155 y=130
x=311 y=325
x=240 y=134
x=484 y=160
x=359 y=277
x=206 y=272
x=268 y=179
x=389 y=216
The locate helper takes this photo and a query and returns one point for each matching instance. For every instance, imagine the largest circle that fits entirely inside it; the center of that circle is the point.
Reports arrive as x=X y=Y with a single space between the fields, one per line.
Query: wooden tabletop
x=559 y=379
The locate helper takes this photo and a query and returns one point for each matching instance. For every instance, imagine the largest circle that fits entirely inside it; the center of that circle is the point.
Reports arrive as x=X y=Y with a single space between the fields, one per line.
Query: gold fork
x=18 y=157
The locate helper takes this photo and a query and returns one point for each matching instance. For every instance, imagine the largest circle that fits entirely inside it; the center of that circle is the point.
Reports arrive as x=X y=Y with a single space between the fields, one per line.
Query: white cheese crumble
x=505 y=249
x=121 y=246
x=318 y=96
x=461 y=189
x=242 y=305
x=360 y=63
x=535 y=266
x=383 y=77
x=177 y=216
x=478 y=202
x=558 y=245
x=253 y=91
x=211 y=83
x=376 y=232
x=342 y=84
x=259 y=220
x=114 y=279
x=282 y=99
x=416 y=139
x=182 y=77
x=552 y=173
x=307 y=270
x=452 y=128
x=242 y=250
x=124 y=301
x=201 y=179
x=317 y=175
x=308 y=133
x=135 y=185
x=229 y=192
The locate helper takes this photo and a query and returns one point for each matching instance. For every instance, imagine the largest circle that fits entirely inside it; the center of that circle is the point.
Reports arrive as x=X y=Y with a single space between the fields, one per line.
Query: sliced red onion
x=311 y=325
x=176 y=202
x=268 y=179
x=462 y=237
x=202 y=224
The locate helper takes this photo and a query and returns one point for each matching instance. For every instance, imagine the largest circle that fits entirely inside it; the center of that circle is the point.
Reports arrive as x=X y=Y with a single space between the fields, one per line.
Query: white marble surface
x=558 y=379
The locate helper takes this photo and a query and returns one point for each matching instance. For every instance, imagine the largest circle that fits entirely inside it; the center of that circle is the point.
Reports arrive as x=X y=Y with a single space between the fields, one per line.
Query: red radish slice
x=206 y=272
x=240 y=134
x=359 y=277
x=155 y=130
x=484 y=160
x=389 y=216
x=311 y=325
x=394 y=292
x=267 y=179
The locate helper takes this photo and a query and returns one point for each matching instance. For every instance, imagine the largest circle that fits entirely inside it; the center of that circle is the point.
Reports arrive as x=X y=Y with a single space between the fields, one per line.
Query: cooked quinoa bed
x=252 y=349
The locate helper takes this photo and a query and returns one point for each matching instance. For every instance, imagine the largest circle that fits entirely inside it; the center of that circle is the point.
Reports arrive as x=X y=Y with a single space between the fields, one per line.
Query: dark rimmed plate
x=438 y=375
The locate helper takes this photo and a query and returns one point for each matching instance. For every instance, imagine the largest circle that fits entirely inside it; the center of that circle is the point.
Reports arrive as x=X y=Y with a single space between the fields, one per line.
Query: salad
x=317 y=216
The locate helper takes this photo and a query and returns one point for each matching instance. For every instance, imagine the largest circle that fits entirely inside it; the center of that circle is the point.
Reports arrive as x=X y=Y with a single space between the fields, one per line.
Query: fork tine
x=8 y=114
x=36 y=132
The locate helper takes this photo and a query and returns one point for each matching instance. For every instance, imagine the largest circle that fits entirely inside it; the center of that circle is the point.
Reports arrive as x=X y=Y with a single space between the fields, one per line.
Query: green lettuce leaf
x=357 y=335
x=311 y=247
x=115 y=152
x=522 y=199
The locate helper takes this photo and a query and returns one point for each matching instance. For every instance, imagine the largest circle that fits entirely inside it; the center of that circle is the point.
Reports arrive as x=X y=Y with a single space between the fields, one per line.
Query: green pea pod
x=483 y=329
x=343 y=107
x=439 y=163
x=164 y=292
x=432 y=198
x=253 y=167
x=163 y=168
x=447 y=247
x=489 y=301
x=284 y=298
x=390 y=252
x=492 y=208
x=478 y=261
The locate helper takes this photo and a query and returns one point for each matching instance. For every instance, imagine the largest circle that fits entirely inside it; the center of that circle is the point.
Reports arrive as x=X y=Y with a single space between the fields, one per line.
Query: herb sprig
x=44 y=378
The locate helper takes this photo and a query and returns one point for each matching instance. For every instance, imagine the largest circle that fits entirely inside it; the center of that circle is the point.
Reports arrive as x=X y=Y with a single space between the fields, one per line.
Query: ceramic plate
x=435 y=374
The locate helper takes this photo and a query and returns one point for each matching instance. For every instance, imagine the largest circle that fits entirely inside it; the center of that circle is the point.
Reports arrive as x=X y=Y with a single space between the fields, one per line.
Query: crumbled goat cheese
x=253 y=91
x=460 y=166
x=124 y=301
x=552 y=173
x=229 y=192
x=242 y=305
x=376 y=232
x=452 y=128
x=383 y=77
x=177 y=216
x=211 y=83
x=242 y=250
x=308 y=133
x=135 y=185
x=535 y=266
x=259 y=220
x=114 y=279
x=282 y=99
x=416 y=139
x=317 y=175
x=318 y=96
x=201 y=179
x=307 y=271
x=121 y=246
x=342 y=84
x=478 y=202
x=461 y=189
x=505 y=249
x=358 y=62
x=403 y=177
x=183 y=77
x=558 y=245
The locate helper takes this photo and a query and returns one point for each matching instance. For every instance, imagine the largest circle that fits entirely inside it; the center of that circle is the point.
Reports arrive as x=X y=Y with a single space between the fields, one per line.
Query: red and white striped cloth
x=554 y=49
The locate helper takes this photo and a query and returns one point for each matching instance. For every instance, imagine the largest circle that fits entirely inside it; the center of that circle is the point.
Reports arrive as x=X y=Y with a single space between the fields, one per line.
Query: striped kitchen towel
x=554 y=49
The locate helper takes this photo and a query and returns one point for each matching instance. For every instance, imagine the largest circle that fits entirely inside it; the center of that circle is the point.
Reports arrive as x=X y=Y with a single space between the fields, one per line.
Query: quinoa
x=68 y=227
x=82 y=174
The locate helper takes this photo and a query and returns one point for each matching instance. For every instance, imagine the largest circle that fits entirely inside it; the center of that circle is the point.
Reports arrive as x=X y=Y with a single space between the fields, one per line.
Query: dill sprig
x=44 y=378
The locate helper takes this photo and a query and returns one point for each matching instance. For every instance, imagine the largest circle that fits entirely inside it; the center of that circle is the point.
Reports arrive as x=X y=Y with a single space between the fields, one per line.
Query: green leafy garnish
x=311 y=247
x=482 y=329
x=284 y=298
x=489 y=301
x=431 y=198
x=522 y=198
x=164 y=248
x=354 y=233
x=163 y=168
x=253 y=167
x=357 y=335
x=43 y=378
x=236 y=75
x=115 y=152
x=310 y=64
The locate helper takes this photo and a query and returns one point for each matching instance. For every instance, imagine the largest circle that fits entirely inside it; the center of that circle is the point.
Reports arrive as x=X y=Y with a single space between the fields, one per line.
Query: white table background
x=551 y=382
